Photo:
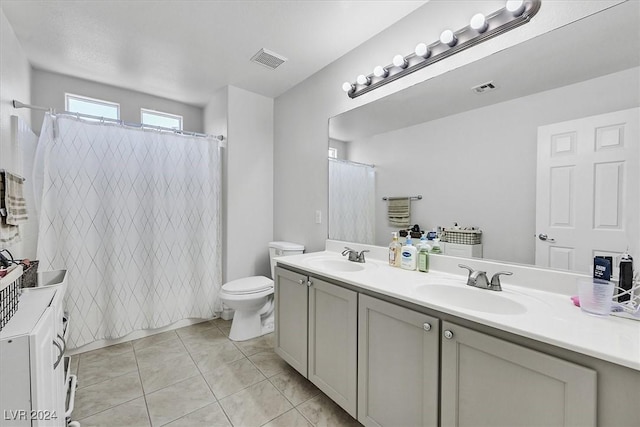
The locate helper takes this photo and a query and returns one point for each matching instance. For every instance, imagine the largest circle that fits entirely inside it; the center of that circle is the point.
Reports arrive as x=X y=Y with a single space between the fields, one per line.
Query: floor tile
x=209 y=416
x=255 y=405
x=196 y=329
x=94 y=368
x=322 y=411
x=256 y=345
x=233 y=377
x=107 y=394
x=160 y=352
x=110 y=351
x=131 y=414
x=167 y=372
x=210 y=357
x=294 y=387
x=293 y=418
x=175 y=401
x=141 y=343
x=268 y=362
x=201 y=340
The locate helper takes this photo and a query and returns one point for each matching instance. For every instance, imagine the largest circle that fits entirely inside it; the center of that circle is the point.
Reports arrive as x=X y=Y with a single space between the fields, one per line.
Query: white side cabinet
x=398 y=361
x=490 y=382
x=32 y=391
x=316 y=333
x=462 y=251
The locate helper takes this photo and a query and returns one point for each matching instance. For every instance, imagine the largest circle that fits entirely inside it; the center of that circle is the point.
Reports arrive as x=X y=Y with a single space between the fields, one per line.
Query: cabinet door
x=490 y=382
x=398 y=353
x=45 y=382
x=333 y=317
x=290 y=296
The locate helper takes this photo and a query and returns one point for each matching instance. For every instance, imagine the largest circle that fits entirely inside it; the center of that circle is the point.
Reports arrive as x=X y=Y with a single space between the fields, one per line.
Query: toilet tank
x=277 y=249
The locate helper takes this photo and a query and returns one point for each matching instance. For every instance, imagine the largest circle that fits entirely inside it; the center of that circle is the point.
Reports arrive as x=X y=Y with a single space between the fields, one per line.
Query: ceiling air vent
x=268 y=59
x=484 y=87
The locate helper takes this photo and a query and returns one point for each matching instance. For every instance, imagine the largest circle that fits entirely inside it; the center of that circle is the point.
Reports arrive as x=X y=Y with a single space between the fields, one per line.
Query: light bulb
x=479 y=23
x=516 y=7
x=399 y=61
x=380 y=71
x=422 y=50
x=363 y=80
x=347 y=87
x=447 y=37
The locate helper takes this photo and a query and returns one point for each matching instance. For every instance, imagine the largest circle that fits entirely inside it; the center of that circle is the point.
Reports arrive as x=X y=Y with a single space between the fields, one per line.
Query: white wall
x=478 y=168
x=49 y=88
x=15 y=75
x=301 y=114
x=247 y=121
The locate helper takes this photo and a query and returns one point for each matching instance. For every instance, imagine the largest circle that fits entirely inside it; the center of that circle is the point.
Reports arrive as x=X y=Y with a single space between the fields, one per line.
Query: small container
x=596 y=296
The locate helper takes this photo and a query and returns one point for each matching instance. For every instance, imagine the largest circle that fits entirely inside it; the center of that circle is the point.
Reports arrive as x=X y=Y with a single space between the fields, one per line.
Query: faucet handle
x=347 y=250
x=361 y=255
x=467 y=267
x=495 y=280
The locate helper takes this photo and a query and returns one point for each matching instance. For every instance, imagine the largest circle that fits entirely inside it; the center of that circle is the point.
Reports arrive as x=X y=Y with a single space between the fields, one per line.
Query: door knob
x=546 y=238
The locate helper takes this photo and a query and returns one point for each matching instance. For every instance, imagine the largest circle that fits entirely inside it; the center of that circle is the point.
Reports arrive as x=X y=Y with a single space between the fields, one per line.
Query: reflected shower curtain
x=351 y=202
x=134 y=216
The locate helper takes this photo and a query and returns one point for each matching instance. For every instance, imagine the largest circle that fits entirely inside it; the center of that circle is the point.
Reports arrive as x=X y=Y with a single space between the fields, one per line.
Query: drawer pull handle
x=426 y=327
x=57 y=362
x=448 y=334
x=309 y=283
x=301 y=281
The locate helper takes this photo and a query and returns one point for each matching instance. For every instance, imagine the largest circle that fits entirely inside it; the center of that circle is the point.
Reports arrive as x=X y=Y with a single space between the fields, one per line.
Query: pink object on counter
x=576 y=300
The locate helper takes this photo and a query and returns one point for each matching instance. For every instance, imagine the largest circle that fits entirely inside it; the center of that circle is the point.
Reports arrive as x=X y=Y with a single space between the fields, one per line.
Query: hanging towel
x=13 y=209
x=399 y=211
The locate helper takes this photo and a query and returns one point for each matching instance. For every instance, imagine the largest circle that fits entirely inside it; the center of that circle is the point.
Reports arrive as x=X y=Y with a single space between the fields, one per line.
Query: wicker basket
x=463 y=237
x=9 y=296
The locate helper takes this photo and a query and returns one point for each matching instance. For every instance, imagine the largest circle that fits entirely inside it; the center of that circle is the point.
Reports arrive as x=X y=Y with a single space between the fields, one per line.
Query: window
x=333 y=153
x=158 y=118
x=91 y=106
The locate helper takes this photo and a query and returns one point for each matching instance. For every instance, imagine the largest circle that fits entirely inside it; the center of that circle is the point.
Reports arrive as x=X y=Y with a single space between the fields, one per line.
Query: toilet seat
x=248 y=285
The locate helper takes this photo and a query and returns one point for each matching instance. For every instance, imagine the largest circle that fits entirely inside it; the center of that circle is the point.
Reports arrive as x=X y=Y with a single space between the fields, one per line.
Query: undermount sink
x=333 y=264
x=470 y=298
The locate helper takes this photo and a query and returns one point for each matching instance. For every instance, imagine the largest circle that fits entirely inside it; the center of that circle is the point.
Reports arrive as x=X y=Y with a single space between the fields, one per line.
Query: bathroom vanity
x=397 y=347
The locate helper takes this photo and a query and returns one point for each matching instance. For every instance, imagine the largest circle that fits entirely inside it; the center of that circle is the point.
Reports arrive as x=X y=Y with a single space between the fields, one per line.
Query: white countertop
x=541 y=315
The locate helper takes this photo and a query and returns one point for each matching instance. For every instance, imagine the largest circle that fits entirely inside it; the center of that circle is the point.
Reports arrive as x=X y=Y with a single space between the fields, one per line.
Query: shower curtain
x=134 y=217
x=351 y=202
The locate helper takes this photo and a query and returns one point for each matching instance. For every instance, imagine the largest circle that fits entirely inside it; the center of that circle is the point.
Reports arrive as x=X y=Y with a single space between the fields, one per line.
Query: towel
x=13 y=208
x=399 y=211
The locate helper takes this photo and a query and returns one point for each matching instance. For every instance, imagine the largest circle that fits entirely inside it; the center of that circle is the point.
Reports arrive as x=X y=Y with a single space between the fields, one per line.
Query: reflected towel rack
x=16 y=175
x=418 y=197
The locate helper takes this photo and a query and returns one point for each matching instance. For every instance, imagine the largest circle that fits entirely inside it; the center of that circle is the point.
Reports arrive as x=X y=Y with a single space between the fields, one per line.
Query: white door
x=587 y=195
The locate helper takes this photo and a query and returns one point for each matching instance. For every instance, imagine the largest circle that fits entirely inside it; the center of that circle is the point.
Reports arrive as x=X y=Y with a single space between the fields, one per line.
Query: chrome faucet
x=354 y=255
x=480 y=280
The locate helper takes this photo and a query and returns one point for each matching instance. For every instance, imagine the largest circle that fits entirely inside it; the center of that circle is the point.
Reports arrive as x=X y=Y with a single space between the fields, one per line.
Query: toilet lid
x=248 y=285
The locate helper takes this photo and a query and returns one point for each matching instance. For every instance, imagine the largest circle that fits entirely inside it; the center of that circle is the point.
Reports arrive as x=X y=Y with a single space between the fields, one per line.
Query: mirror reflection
x=474 y=157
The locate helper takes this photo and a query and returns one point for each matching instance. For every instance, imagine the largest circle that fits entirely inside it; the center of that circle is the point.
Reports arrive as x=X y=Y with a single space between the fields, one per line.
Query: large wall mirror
x=473 y=157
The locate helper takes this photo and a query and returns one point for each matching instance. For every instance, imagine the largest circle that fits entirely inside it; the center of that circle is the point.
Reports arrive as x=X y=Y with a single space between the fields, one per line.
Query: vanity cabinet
x=487 y=381
x=398 y=360
x=316 y=333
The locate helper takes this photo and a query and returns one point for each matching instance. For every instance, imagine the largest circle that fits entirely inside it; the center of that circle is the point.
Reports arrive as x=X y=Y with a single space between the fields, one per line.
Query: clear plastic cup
x=596 y=296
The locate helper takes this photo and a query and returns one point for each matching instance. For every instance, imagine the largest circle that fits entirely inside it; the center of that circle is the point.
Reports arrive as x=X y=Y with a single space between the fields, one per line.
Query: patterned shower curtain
x=134 y=217
x=351 y=202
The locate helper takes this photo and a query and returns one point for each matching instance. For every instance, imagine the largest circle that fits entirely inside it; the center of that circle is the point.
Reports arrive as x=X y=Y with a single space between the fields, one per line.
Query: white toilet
x=252 y=297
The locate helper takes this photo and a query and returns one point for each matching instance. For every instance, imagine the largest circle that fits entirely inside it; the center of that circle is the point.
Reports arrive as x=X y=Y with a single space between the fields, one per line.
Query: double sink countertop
x=532 y=312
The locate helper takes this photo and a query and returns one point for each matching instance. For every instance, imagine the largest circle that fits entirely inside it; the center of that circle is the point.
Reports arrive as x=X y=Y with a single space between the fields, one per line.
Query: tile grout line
x=144 y=394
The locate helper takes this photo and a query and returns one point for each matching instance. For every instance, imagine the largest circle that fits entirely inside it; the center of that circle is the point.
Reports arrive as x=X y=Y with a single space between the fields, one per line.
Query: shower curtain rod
x=18 y=104
x=352 y=162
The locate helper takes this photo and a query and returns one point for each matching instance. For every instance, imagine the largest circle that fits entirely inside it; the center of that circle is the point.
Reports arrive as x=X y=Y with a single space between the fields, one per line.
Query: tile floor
x=196 y=376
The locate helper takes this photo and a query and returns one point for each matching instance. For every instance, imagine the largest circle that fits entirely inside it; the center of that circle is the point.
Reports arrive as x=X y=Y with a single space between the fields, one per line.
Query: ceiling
x=186 y=50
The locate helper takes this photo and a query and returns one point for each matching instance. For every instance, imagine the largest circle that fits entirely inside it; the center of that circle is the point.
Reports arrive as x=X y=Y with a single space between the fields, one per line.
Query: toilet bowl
x=252 y=298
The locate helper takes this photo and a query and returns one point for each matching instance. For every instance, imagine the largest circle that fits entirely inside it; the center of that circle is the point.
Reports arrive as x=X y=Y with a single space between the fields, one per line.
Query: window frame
x=161 y=114
x=88 y=99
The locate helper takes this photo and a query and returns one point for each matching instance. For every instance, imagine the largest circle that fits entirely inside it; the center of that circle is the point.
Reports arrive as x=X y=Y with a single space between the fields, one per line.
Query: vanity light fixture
x=480 y=28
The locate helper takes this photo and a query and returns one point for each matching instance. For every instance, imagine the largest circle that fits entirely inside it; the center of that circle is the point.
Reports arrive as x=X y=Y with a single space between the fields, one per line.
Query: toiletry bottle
x=625 y=279
x=394 y=250
x=423 y=258
x=408 y=260
x=421 y=243
x=435 y=249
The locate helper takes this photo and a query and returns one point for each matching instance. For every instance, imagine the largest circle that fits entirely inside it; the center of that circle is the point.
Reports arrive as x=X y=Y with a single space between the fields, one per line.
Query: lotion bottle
x=408 y=261
x=394 y=250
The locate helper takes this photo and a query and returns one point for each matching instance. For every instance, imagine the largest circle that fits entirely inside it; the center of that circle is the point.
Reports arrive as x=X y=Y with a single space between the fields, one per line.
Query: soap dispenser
x=408 y=251
x=394 y=250
x=625 y=279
